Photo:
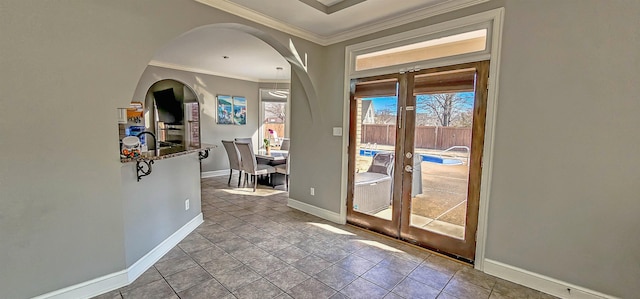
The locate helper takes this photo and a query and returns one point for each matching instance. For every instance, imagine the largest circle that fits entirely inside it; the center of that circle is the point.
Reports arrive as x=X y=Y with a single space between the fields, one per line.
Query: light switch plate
x=337 y=131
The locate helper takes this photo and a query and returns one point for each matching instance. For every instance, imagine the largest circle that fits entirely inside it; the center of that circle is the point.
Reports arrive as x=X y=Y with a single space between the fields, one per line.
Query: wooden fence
x=430 y=137
x=276 y=127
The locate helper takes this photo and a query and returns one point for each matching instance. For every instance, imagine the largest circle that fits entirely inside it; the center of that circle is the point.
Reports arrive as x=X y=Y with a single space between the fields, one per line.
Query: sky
x=381 y=103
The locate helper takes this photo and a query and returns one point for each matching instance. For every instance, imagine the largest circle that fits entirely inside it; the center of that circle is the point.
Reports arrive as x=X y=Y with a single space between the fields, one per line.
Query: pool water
x=441 y=160
x=425 y=158
x=368 y=153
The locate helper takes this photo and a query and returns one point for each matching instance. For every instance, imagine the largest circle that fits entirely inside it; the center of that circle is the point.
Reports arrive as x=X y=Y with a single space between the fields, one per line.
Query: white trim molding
x=540 y=282
x=90 y=288
x=497 y=18
x=123 y=278
x=184 y=68
x=145 y=262
x=214 y=173
x=313 y=210
x=262 y=19
x=412 y=16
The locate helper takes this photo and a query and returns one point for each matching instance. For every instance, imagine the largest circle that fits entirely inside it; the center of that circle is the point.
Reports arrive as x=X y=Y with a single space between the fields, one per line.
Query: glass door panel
x=415 y=148
x=447 y=130
x=444 y=115
x=373 y=140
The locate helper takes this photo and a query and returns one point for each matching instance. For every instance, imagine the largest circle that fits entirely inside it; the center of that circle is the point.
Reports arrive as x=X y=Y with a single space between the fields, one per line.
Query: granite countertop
x=165 y=153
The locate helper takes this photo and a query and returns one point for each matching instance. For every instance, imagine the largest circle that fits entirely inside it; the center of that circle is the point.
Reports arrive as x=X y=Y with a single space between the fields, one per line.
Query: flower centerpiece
x=267 y=141
x=267 y=145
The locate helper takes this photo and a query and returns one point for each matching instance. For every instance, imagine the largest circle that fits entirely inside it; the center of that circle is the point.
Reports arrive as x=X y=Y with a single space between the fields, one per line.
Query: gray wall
x=563 y=197
x=565 y=182
x=66 y=67
x=206 y=88
x=154 y=207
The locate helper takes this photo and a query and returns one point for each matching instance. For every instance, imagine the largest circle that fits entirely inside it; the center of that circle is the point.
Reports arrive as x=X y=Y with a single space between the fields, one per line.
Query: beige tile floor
x=252 y=245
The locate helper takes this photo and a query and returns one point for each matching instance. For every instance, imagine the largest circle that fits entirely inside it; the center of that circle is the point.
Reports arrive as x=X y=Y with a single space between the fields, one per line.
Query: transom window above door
x=450 y=45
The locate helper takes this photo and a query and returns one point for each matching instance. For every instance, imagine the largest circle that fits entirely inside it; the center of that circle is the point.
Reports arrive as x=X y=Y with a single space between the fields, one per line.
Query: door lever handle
x=408 y=168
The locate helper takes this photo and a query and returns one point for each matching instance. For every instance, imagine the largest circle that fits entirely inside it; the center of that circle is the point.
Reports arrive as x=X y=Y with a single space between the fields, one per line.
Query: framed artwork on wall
x=224 y=110
x=239 y=110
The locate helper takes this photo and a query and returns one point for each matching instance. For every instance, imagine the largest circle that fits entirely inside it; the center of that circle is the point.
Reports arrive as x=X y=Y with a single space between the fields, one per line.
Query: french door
x=415 y=148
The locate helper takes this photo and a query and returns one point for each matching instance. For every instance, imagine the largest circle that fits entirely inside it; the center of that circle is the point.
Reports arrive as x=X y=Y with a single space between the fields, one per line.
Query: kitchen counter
x=165 y=153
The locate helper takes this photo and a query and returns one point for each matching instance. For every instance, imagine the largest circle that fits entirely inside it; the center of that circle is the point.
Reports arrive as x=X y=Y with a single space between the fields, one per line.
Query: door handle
x=408 y=168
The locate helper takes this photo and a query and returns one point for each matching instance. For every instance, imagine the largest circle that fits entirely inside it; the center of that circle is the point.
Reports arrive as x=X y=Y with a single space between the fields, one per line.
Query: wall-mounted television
x=170 y=110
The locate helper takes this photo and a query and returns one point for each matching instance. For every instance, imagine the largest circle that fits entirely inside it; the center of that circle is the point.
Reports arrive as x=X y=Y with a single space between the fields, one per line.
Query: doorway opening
x=467 y=240
x=415 y=166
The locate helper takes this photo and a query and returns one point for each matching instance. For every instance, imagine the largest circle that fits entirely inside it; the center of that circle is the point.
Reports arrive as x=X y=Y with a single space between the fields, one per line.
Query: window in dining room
x=274 y=120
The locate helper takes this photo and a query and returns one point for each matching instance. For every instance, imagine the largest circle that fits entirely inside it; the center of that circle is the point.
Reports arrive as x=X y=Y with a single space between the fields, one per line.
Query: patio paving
x=442 y=205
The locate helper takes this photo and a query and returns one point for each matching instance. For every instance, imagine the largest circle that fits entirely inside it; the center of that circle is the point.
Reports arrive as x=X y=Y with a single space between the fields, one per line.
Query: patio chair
x=234 y=160
x=250 y=165
x=285 y=144
x=372 y=190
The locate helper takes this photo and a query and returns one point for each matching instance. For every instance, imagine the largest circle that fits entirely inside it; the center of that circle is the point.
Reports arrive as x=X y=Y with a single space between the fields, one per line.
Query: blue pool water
x=425 y=158
x=440 y=160
x=368 y=153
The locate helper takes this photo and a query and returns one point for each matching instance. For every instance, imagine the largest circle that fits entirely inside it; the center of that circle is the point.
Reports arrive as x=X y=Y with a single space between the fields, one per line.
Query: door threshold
x=445 y=255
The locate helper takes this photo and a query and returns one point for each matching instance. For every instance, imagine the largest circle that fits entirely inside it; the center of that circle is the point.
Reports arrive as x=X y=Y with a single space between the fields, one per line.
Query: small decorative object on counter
x=130 y=147
x=130 y=153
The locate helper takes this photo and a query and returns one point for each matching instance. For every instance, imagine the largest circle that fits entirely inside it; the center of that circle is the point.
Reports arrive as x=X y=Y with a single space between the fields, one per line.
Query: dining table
x=275 y=157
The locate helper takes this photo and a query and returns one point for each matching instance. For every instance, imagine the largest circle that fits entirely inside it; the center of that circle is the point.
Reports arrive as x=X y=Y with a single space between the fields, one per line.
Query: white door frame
x=493 y=21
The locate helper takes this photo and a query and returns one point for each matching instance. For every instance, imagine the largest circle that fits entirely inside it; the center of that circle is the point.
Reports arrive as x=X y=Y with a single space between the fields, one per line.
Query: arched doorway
x=225 y=45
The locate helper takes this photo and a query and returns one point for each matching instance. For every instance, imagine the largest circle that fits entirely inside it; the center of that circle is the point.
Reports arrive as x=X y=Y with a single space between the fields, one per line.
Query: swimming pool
x=425 y=158
x=440 y=160
x=368 y=152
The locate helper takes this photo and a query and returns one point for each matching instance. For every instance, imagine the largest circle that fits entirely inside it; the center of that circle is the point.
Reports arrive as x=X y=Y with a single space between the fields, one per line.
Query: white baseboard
x=145 y=262
x=90 y=288
x=540 y=282
x=122 y=278
x=215 y=173
x=313 y=210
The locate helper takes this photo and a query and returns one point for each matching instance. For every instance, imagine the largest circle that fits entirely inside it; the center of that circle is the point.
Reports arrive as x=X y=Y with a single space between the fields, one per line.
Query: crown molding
x=180 y=67
x=407 y=18
x=268 y=21
x=185 y=68
x=331 y=8
x=263 y=19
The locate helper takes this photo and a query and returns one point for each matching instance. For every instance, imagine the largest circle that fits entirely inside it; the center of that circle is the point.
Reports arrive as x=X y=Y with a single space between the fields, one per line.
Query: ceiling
x=330 y=21
x=203 y=49
x=322 y=21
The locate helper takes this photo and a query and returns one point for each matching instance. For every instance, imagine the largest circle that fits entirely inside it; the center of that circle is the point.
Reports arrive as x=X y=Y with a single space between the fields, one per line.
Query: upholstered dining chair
x=285 y=144
x=284 y=169
x=234 y=160
x=245 y=140
x=250 y=165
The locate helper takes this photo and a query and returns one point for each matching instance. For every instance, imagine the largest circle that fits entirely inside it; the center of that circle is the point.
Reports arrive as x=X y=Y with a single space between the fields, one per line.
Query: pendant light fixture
x=283 y=94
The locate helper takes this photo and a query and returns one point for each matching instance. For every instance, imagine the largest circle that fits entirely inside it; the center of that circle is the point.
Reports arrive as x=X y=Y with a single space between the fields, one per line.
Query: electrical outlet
x=312 y=191
x=186 y=204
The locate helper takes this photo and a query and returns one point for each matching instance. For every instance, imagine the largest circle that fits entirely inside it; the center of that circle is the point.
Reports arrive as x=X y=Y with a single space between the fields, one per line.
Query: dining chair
x=245 y=140
x=250 y=165
x=285 y=144
x=284 y=169
x=234 y=160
